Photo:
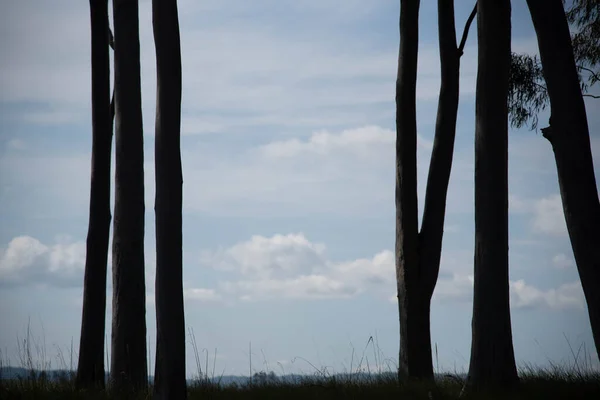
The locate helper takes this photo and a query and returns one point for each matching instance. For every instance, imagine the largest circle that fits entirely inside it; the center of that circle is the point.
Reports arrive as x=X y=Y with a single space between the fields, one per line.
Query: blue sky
x=288 y=157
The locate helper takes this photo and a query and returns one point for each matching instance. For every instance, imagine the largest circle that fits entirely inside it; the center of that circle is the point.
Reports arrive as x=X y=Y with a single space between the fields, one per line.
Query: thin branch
x=541 y=86
x=592 y=72
x=593 y=96
x=465 y=34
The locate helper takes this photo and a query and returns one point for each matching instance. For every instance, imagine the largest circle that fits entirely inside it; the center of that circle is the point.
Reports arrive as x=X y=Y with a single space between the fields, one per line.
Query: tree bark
x=128 y=360
x=570 y=138
x=416 y=288
x=413 y=359
x=492 y=361
x=432 y=227
x=169 y=376
x=90 y=368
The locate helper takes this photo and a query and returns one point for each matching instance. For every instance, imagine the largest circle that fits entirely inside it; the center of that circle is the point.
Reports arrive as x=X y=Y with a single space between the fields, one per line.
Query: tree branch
x=465 y=34
x=542 y=87
x=592 y=72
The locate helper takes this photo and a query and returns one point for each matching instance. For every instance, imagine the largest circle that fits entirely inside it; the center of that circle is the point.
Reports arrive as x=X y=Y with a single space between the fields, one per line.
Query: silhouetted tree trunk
x=492 y=355
x=90 y=368
x=415 y=342
x=169 y=376
x=418 y=255
x=570 y=138
x=128 y=360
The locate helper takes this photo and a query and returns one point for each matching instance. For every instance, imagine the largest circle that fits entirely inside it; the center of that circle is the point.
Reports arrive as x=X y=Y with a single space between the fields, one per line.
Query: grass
x=579 y=380
x=550 y=384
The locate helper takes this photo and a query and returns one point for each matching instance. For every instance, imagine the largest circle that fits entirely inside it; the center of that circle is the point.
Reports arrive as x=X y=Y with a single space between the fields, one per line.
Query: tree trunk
x=128 y=360
x=432 y=227
x=570 y=138
x=415 y=361
x=169 y=375
x=90 y=368
x=492 y=356
x=415 y=289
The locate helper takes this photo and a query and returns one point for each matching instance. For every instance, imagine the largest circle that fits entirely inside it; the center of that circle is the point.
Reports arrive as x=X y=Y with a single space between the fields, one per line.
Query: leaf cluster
x=527 y=91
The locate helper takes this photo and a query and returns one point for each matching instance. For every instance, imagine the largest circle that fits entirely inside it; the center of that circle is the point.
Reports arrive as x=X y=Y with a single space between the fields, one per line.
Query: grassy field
x=549 y=384
x=578 y=380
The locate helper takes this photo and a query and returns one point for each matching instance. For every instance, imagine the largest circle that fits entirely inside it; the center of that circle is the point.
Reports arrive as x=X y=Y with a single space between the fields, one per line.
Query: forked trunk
x=570 y=138
x=417 y=274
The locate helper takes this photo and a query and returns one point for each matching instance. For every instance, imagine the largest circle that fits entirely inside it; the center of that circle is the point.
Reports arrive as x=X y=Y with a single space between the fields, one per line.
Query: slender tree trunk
x=492 y=356
x=90 y=368
x=570 y=138
x=432 y=227
x=413 y=359
x=169 y=376
x=128 y=361
x=415 y=289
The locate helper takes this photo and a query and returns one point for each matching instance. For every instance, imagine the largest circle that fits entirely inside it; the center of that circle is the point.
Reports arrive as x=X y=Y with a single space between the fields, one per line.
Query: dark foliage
x=584 y=17
x=527 y=89
x=527 y=94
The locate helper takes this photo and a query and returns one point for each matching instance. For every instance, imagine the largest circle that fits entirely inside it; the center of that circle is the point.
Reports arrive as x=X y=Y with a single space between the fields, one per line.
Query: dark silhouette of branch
x=593 y=96
x=592 y=72
x=542 y=87
x=465 y=34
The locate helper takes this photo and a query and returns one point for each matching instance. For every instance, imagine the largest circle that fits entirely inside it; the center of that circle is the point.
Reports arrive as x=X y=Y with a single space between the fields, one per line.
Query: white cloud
x=569 y=295
x=302 y=287
x=201 y=294
x=360 y=141
x=518 y=205
x=379 y=270
x=291 y=267
x=241 y=181
x=522 y=295
x=277 y=256
x=27 y=260
x=549 y=217
x=562 y=261
x=345 y=172
x=277 y=267
x=457 y=288
x=282 y=178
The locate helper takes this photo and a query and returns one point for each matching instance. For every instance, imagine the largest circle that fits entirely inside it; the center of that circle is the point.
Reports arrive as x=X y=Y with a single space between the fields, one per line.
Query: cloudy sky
x=288 y=158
